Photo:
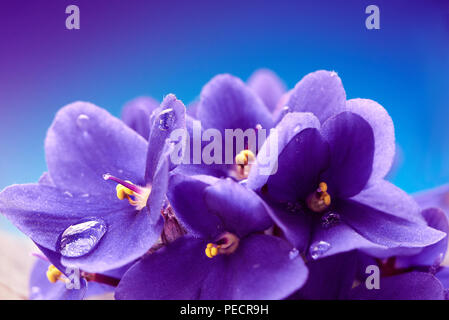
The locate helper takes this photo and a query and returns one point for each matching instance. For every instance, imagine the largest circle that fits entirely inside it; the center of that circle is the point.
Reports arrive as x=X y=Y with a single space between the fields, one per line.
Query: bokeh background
x=131 y=48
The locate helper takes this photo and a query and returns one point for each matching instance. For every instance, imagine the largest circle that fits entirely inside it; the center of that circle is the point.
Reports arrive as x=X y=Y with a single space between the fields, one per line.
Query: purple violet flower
x=419 y=276
x=48 y=282
x=226 y=102
x=324 y=197
x=225 y=256
x=407 y=286
x=268 y=86
x=434 y=198
x=91 y=223
x=136 y=114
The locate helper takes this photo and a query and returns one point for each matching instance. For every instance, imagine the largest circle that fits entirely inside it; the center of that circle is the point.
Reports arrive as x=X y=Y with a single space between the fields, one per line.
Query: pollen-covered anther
x=136 y=195
x=319 y=200
x=227 y=243
x=54 y=275
x=244 y=159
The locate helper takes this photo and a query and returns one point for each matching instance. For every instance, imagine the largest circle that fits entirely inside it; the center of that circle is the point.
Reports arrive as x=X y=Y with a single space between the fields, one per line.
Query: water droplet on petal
x=81 y=238
x=106 y=176
x=293 y=253
x=319 y=248
x=330 y=219
x=83 y=122
x=67 y=193
x=166 y=119
x=297 y=128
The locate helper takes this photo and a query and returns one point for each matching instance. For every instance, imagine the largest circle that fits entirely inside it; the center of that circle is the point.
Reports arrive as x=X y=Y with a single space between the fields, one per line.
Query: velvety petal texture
x=268 y=86
x=300 y=164
x=351 y=144
x=170 y=116
x=192 y=210
x=408 y=286
x=42 y=289
x=136 y=114
x=84 y=142
x=43 y=213
x=241 y=275
x=383 y=130
x=431 y=256
x=227 y=103
x=375 y=217
x=267 y=162
x=219 y=206
x=434 y=198
x=330 y=278
x=320 y=92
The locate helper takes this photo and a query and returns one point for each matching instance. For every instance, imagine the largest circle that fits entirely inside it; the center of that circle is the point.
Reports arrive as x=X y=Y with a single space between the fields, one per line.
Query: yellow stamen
x=212 y=250
x=323 y=186
x=123 y=192
x=244 y=159
x=138 y=200
x=53 y=274
x=228 y=244
x=319 y=200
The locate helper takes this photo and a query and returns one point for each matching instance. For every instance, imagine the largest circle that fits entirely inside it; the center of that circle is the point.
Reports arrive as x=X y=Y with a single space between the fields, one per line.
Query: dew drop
x=81 y=238
x=293 y=253
x=106 y=176
x=297 y=128
x=330 y=219
x=166 y=119
x=67 y=193
x=319 y=248
x=83 y=122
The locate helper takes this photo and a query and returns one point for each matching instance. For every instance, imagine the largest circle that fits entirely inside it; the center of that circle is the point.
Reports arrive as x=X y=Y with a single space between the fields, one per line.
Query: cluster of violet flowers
x=117 y=213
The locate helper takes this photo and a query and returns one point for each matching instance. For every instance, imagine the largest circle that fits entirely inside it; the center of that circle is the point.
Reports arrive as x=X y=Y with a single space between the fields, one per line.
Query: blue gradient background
x=130 y=48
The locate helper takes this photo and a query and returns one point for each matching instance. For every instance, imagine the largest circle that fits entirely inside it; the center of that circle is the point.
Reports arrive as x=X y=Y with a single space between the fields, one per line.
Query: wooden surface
x=16 y=262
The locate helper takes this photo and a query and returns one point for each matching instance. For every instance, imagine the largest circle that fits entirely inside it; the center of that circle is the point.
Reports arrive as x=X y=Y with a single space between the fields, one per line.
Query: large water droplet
x=166 y=119
x=79 y=239
x=83 y=122
x=319 y=248
x=293 y=253
x=330 y=219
